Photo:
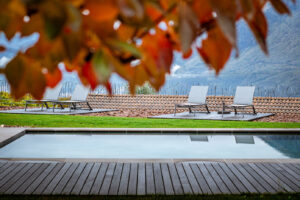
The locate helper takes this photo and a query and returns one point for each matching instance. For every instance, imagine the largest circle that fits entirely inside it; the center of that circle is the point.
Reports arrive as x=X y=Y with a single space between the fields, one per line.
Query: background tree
x=133 y=38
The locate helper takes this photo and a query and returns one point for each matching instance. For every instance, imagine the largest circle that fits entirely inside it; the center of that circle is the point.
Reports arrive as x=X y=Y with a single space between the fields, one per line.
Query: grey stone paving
x=214 y=116
x=65 y=111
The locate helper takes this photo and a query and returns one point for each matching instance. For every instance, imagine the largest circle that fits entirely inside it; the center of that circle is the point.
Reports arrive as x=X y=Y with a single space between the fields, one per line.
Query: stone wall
x=278 y=105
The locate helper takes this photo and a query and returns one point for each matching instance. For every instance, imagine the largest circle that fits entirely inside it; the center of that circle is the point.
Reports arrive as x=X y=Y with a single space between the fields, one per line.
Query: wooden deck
x=80 y=178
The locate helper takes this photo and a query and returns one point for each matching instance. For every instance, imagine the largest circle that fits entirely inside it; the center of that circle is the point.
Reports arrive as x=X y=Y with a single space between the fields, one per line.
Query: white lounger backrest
x=52 y=93
x=80 y=93
x=244 y=95
x=198 y=94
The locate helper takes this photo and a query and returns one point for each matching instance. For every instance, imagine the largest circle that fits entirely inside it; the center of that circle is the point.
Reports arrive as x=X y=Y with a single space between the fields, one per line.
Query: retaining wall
x=278 y=105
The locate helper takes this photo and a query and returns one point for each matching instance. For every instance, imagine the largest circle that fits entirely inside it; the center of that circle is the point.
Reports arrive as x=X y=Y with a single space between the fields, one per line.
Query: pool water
x=153 y=146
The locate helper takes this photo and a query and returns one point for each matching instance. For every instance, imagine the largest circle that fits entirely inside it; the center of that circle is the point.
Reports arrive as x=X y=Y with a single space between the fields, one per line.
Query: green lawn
x=126 y=122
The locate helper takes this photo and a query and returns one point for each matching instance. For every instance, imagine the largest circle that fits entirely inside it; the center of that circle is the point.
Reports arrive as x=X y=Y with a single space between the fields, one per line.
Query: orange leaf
x=215 y=49
x=259 y=27
x=102 y=10
x=203 y=10
x=53 y=78
x=226 y=15
x=188 y=26
x=25 y=76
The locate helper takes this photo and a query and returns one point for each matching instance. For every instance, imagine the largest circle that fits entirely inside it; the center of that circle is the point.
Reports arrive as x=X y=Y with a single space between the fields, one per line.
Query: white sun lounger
x=51 y=94
x=243 y=98
x=78 y=96
x=197 y=97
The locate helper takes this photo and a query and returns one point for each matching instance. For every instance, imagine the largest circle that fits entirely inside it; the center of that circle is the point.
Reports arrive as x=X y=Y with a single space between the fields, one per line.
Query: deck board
x=150 y=187
x=116 y=179
x=38 y=180
x=187 y=189
x=132 y=185
x=90 y=179
x=141 y=186
x=82 y=179
x=226 y=180
x=175 y=179
x=25 y=180
x=73 y=178
x=64 y=180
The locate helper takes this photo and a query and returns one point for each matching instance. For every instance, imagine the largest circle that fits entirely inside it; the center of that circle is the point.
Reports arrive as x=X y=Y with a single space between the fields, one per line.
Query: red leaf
x=89 y=74
x=280 y=7
x=53 y=78
x=2 y=48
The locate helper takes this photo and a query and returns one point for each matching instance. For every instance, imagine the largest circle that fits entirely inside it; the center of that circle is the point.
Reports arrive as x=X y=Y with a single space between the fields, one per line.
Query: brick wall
x=166 y=103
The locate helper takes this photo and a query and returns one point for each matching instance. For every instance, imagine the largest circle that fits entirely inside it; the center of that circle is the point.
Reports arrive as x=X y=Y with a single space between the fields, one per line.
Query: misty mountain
x=280 y=69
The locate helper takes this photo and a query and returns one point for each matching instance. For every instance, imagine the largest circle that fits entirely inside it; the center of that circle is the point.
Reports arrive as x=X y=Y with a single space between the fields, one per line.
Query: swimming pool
x=154 y=146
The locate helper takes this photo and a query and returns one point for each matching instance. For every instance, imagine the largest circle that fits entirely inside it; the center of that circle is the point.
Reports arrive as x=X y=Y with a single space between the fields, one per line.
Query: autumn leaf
x=88 y=76
x=280 y=7
x=226 y=15
x=215 y=49
x=53 y=78
x=2 y=48
x=203 y=10
x=101 y=10
x=29 y=78
x=188 y=26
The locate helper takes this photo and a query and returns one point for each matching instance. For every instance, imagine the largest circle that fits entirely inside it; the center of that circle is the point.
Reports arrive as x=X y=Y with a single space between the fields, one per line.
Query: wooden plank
x=167 y=179
x=210 y=181
x=252 y=180
x=82 y=179
x=115 y=183
x=73 y=180
x=159 y=185
x=262 y=171
x=200 y=179
x=292 y=167
x=8 y=168
x=260 y=177
x=55 y=180
x=192 y=179
x=21 y=180
x=39 y=179
x=5 y=165
x=150 y=185
x=28 y=182
x=107 y=179
x=187 y=189
x=238 y=184
x=65 y=178
x=240 y=176
x=99 y=179
x=141 y=186
x=282 y=175
x=216 y=177
x=175 y=179
x=132 y=185
x=45 y=182
x=15 y=177
x=230 y=185
x=293 y=174
x=124 y=179
x=297 y=165
x=90 y=179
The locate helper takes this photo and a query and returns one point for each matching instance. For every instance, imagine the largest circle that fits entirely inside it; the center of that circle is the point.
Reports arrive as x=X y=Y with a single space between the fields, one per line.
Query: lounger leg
x=53 y=107
x=235 y=112
x=174 y=110
x=46 y=105
x=254 y=112
x=89 y=106
x=25 y=105
x=207 y=109
x=190 y=110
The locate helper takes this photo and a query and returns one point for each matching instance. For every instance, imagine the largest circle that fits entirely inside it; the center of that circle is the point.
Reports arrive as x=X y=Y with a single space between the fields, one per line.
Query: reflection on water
x=153 y=146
